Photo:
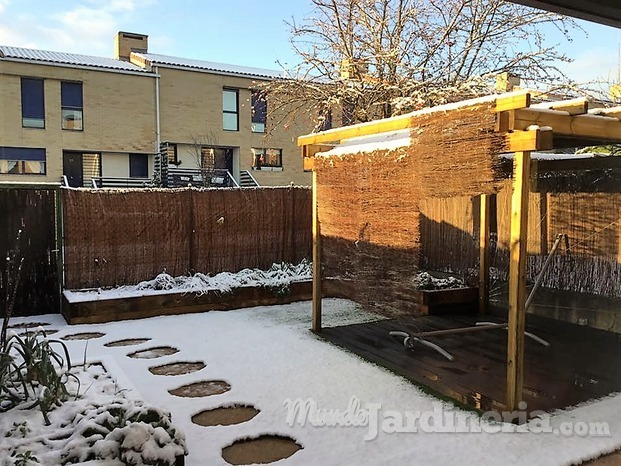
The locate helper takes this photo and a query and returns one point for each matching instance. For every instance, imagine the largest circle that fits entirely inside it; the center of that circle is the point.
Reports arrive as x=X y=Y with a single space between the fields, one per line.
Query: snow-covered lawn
x=268 y=356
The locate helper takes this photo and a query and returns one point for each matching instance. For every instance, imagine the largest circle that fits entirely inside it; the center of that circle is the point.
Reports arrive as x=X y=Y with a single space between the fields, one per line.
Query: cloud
x=88 y=28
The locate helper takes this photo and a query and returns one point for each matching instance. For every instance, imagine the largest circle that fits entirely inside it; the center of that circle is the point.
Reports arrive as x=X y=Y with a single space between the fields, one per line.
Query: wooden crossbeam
x=613 y=112
x=576 y=126
x=578 y=106
x=532 y=140
x=502 y=103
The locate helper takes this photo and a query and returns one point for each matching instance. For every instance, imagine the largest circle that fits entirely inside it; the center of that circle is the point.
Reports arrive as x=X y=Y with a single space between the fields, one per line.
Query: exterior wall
x=191 y=115
x=118 y=109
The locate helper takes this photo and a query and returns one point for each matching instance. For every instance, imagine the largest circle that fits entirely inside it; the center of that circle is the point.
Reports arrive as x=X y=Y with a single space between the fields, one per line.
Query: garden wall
x=121 y=237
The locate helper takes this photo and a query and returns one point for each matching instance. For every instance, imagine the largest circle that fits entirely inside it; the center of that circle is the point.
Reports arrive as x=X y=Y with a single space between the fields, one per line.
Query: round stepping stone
x=46 y=331
x=127 y=342
x=225 y=415
x=30 y=325
x=153 y=353
x=84 y=336
x=201 y=389
x=177 y=368
x=263 y=449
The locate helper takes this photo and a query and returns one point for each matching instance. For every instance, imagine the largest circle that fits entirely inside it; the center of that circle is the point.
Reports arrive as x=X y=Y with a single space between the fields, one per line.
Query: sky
x=241 y=32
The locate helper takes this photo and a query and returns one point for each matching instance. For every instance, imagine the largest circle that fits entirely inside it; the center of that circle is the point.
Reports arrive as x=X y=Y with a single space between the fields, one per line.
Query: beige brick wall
x=191 y=112
x=119 y=114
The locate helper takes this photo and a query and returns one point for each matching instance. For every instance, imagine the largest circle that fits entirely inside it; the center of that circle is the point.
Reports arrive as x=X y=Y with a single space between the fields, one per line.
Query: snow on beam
x=502 y=102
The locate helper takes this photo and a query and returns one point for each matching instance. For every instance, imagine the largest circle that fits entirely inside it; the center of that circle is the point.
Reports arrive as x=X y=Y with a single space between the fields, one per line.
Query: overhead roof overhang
x=599 y=11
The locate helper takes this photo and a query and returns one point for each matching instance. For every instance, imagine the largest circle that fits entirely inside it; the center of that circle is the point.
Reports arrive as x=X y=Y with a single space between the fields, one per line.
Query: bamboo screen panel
x=369 y=204
x=122 y=237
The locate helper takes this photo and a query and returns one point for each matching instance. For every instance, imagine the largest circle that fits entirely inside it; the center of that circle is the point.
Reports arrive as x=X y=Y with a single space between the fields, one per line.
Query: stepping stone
x=30 y=331
x=177 y=368
x=128 y=342
x=263 y=449
x=29 y=325
x=225 y=415
x=153 y=353
x=83 y=336
x=201 y=389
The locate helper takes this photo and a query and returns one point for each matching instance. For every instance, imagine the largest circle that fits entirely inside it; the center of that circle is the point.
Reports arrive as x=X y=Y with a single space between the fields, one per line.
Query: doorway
x=73 y=169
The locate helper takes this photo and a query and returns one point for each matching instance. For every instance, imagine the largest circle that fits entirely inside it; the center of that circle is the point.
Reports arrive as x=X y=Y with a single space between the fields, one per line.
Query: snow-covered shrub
x=426 y=281
x=127 y=431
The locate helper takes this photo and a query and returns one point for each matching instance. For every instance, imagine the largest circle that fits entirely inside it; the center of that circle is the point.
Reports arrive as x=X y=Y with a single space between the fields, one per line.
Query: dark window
x=326 y=121
x=33 y=105
x=72 y=105
x=230 y=112
x=259 y=112
x=138 y=166
x=22 y=161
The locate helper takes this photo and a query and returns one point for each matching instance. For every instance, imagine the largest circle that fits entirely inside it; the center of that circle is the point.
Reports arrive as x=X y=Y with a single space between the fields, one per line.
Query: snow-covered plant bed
x=426 y=281
x=278 y=278
x=85 y=416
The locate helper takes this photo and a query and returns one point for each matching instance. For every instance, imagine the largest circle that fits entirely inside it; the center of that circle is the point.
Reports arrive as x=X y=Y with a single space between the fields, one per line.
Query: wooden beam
x=577 y=126
x=317 y=293
x=532 y=140
x=517 y=279
x=612 y=112
x=500 y=103
x=512 y=101
x=578 y=106
x=484 y=252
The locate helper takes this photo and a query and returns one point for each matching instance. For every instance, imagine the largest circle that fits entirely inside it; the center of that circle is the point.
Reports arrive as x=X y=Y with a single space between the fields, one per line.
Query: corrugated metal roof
x=67 y=59
x=156 y=59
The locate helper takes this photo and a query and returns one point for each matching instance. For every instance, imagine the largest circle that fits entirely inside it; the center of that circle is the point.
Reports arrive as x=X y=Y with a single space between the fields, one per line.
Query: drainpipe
x=157 y=109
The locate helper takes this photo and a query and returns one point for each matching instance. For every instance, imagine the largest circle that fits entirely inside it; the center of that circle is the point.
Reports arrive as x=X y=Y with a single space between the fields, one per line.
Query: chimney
x=128 y=42
x=506 y=82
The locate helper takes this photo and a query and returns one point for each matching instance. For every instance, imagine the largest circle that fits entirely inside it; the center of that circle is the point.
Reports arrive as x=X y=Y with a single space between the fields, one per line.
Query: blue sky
x=243 y=32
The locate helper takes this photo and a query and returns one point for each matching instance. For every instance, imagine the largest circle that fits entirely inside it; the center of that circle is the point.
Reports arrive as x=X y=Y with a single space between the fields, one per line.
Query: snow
x=384 y=141
x=278 y=275
x=268 y=356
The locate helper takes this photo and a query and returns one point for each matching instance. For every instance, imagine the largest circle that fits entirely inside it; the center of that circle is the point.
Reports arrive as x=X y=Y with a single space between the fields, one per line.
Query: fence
x=33 y=211
x=114 y=238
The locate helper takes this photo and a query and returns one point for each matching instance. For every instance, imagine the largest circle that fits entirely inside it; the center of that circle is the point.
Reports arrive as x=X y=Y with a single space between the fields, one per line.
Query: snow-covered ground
x=268 y=356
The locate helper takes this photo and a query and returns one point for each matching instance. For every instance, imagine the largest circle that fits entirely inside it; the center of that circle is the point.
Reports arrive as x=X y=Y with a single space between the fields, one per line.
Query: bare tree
x=377 y=58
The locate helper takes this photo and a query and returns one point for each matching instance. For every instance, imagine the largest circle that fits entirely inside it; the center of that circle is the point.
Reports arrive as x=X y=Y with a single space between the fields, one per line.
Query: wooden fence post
x=517 y=279
x=317 y=293
x=484 y=256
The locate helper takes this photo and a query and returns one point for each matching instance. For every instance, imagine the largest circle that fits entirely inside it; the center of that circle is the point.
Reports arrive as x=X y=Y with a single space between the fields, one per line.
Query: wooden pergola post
x=517 y=279
x=317 y=293
x=484 y=256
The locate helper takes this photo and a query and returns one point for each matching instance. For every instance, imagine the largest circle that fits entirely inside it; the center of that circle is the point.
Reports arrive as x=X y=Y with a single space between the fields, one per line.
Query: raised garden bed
x=151 y=305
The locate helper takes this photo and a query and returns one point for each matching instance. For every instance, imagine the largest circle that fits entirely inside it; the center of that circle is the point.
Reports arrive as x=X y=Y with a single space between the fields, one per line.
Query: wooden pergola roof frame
x=526 y=128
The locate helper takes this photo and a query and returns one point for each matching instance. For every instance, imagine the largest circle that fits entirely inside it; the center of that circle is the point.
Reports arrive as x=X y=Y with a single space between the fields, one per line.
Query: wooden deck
x=581 y=363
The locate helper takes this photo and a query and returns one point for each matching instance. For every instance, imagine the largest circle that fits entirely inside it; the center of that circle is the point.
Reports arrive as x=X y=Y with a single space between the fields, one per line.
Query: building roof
x=600 y=11
x=43 y=56
x=218 y=68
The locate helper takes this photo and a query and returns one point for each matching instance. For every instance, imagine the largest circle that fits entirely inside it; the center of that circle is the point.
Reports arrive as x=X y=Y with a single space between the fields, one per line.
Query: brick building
x=86 y=117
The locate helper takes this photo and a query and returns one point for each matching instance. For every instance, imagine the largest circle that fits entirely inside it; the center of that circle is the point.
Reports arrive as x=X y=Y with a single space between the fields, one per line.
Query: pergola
x=525 y=128
x=599 y=11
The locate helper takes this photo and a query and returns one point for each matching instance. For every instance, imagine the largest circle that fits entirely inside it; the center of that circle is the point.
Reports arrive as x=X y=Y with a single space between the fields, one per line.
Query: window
x=326 y=121
x=266 y=158
x=33 y=105
x=71 y=103
x=230 y=117
x=22 y=161
x=138 y=166
x=259 y=112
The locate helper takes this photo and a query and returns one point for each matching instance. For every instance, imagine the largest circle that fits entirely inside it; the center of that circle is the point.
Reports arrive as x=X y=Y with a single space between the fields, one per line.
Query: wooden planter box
x=463 y=300
x=109 y=310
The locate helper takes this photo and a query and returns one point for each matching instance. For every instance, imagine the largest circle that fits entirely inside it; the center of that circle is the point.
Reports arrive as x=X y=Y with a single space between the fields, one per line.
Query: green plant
x=25 y=458
x=30 y=369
